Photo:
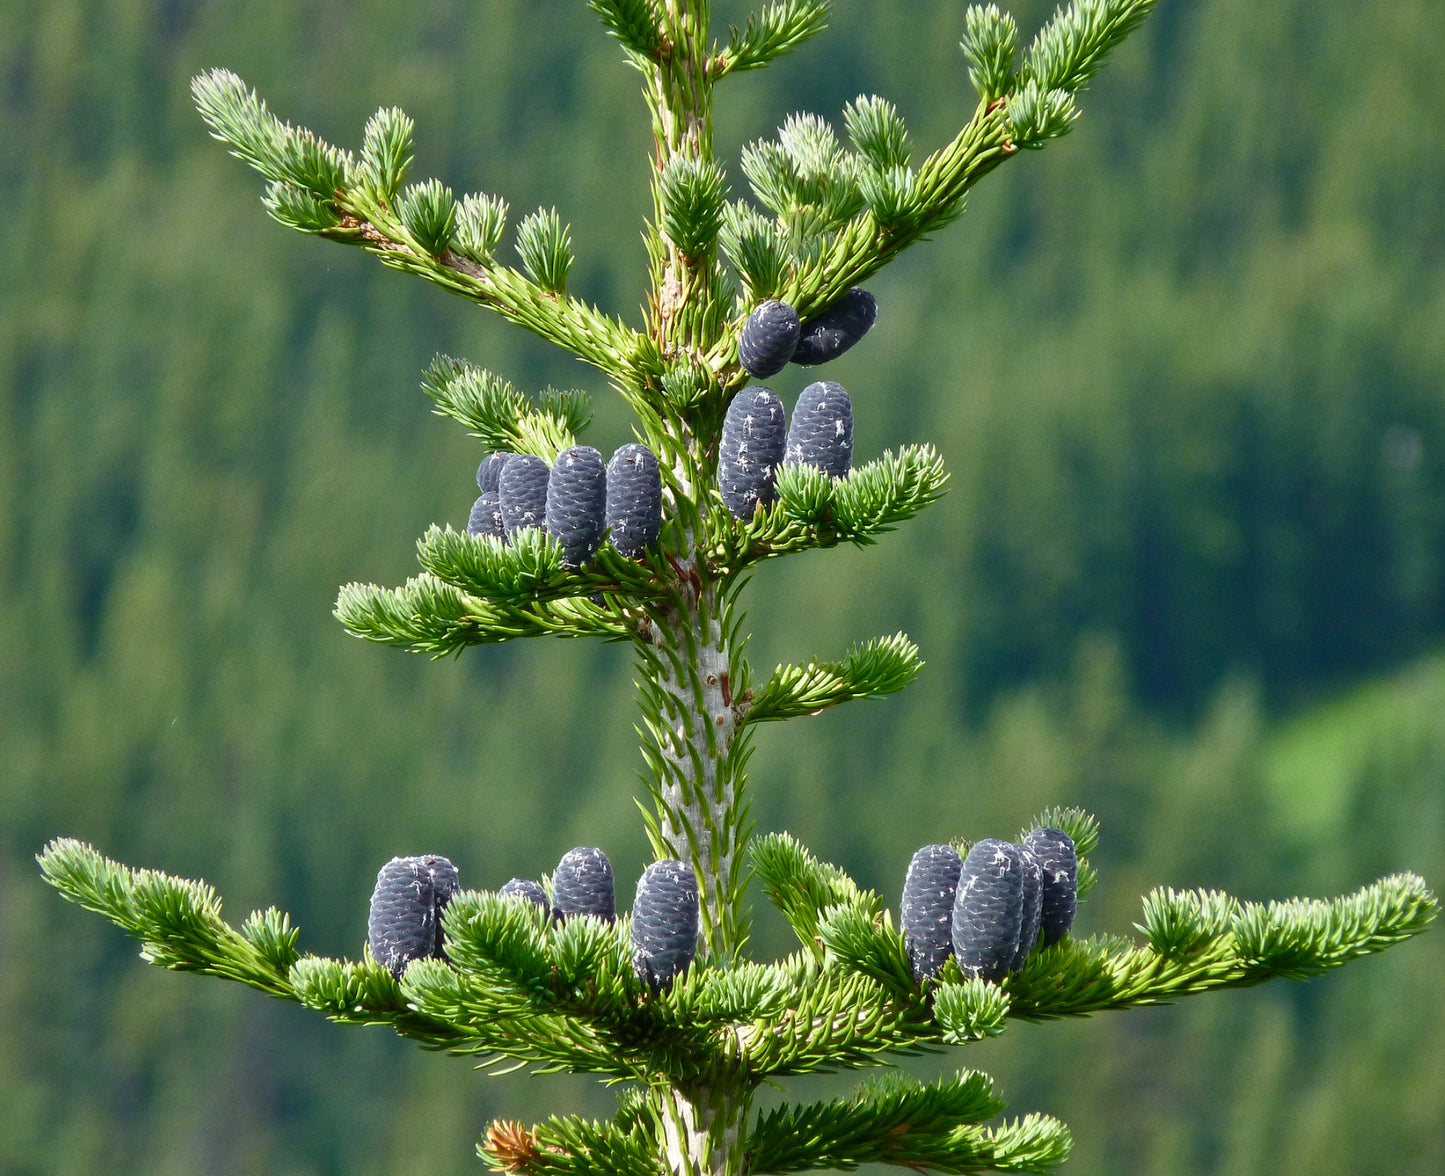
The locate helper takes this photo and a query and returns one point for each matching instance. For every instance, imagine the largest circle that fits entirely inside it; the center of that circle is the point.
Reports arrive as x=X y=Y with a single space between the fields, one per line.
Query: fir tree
x=667 y=999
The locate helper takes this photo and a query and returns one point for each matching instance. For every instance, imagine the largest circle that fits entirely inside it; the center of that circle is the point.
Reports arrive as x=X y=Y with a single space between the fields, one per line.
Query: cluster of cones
x=991 y=909
x=405 y=921
x=578 y=499
x=756 y=437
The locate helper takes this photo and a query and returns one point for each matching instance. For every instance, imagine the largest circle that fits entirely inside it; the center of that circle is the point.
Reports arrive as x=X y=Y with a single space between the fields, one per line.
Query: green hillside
x=1186 y=368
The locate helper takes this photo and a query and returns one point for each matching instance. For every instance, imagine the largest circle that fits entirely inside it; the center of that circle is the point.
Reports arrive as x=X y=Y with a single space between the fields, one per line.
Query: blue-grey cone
x=835 y=330
x=583 y=885
x=1054 y=851
x=522 y=488
x=821 y=432
x=402 y=925
x=634 y=500
x=754 y=435
x=576 y=503
x=486 y=516
x=988 y=909
x=926 y=913
x=768 y=338
x=444 y=884
x=490 y=470
x=664 y=922
x=526 y=888
x=1032 y=905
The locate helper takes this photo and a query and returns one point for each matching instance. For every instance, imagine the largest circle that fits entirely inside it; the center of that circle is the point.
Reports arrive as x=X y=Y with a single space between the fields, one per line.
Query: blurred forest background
x=1187 y=367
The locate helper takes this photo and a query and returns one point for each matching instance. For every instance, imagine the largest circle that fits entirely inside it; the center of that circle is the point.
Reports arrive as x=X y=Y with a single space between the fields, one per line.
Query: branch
x=427 y=615
x=903 y=1122
x=815 y=511
x=882 y=666
x=319 y=188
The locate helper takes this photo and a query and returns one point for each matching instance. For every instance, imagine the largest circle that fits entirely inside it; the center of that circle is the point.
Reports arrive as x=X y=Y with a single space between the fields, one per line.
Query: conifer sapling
x=697 y=1050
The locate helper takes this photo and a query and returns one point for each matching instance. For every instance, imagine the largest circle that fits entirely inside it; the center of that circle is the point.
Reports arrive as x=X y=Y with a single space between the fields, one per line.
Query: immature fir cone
x=926 y=912
x=405 y=919
x=634 y=500
x=490 y=470
x=664 y=922
x=486 y=516
x=526 y=888
x=1054 y=851
x=754 y=435
x=576 y=502
x=522 y=487
x=835 y=330
x=821 y=432
x=988 y=909
x=1031 y=906
x=768 y=338
x=583 y=885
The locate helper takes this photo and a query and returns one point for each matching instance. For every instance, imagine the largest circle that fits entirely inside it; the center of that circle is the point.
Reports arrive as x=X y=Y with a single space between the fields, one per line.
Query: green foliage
x=499 y=415
x=1171 y=421
x=386 y=153
x=877 y=132
x=636 y=23
x=296 y=208
x=990 y=41
x=970 y=1010
x=694 y=192
x=481 y=223
x=881 y=666
x=754 y=248
x=277 y=150
x=545 y=246
x=1071 y=48
x=814 y=510
x=177 y=921
x=427 y=615
x=773 y=30
x=429 y=214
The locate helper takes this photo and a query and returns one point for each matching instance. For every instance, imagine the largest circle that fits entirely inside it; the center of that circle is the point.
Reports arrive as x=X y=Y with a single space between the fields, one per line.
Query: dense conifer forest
x=1186 y=369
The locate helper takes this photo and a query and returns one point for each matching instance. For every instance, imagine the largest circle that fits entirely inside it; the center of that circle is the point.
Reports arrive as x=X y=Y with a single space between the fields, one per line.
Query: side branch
x=605 y=343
